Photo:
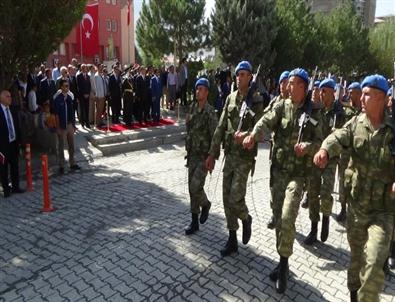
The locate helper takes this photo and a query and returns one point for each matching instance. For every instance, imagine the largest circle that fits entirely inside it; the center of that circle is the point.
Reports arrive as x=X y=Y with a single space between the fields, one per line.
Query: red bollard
x=28 y=158
x=47 y=207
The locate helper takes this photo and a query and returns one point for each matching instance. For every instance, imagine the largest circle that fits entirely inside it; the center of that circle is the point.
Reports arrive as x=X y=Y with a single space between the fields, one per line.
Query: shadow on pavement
x=115 y=237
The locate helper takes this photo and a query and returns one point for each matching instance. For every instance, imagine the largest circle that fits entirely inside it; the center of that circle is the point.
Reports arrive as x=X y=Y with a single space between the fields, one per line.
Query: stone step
x=141 y=143
x=131 y=135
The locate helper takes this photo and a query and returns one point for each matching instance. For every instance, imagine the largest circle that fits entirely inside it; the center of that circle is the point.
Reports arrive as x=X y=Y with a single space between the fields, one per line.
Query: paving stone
x=118 y=236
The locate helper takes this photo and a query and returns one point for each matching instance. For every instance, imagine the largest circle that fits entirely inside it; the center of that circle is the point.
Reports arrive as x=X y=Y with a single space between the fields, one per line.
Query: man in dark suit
x=143 y=94
x=47 y=88
x=73 y=87
x=9 y=136
x=84 y=90
x=114 y=86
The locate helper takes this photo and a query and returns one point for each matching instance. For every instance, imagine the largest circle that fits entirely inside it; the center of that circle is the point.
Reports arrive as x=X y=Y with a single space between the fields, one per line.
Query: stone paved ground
x=117 y=235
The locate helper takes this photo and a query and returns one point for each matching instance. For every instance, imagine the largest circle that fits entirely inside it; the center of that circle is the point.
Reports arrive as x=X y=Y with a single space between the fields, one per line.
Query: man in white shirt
x=101 y=86
x=32 y=99
x=172 y=86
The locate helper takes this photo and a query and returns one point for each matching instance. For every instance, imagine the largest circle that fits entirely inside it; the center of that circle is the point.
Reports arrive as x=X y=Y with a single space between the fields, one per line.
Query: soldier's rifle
x=246 y=106
x=336 y=105
x=305 y=117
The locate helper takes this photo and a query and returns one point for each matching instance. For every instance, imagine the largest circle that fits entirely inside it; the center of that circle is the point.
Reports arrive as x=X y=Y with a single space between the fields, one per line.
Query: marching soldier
x=295 y=152
x=315 y=98
x=275 y=166
x=370 y=178
x=391 y=258
x=351 y=109
x=238 y=162
x=322 y=181
x=201 y=123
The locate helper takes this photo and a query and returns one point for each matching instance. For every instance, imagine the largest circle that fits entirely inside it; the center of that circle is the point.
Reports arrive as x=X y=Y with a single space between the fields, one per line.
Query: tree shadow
x=116 y=236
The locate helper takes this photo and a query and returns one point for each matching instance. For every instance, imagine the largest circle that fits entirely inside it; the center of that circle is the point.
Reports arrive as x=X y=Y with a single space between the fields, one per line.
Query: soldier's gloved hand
x=321 y=158
x=300 y=149
x=210 y=163
x=249 y=142
x=239 y=136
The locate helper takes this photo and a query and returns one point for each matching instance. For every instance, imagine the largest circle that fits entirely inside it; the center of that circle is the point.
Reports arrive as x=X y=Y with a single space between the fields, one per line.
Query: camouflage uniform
x=200 y=124
x=284 y=120
x=322 y=181
x=277 y=178
x=371 y=207
x=238 y=161
x=349 y=112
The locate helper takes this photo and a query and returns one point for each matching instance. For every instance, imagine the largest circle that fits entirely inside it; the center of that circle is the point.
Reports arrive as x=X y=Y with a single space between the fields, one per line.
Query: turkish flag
x=88 y=31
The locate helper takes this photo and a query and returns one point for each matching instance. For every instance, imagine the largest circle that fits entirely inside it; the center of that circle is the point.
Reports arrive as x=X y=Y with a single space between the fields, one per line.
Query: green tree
x=382 y=46
x=176 y=26
x=29 y=31
x=245 y=30
x=296 y=42
x=347 y=41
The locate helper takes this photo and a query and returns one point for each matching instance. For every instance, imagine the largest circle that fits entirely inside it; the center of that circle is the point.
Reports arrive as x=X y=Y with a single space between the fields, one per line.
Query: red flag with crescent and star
x=88 y=31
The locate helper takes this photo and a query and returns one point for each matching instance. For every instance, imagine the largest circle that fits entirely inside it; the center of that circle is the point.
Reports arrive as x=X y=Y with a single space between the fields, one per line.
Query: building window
x=107 y=53
x=114 y=25
x=62 y=49
x=108 y=25
x=114 y=2
x=108 y=1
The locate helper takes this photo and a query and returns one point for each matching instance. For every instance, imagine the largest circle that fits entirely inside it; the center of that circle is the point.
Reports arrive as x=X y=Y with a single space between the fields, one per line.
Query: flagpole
x=129 y=44
x=128 y=19
x=82 y=56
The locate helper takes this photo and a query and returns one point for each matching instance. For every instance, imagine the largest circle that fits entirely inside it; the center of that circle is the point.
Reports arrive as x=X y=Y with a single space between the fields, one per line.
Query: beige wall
x=127 y=35
x=366 y=8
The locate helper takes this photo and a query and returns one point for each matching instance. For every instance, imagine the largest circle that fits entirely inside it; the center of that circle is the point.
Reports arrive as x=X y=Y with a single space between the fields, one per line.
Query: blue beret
x=243 y=65
x=329 y=83
x=376 y=81
x=317 y=83
x=301 y=73
x=284 y=76
x=354 y=85
x=389 y=92
x=202 y=82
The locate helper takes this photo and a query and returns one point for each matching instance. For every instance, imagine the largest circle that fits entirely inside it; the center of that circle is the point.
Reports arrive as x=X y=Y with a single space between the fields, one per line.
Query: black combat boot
x=247 y=229
x=341 y=217
x=324 y=228
x=231 y=246
x=271 y=224
x=305 y=202
x=282 y=279
x=274 y=273
x=312 y=236
x=391 y=259
x=194 y=226
x=204 y=214
x=354 y=296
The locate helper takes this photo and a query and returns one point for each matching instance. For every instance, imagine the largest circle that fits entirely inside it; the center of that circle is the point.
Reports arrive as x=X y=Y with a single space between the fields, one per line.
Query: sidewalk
x=84 y=150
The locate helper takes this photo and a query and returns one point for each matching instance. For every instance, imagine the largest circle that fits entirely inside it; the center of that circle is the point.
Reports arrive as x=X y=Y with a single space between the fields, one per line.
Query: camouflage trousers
x=234 y=187
x=342 y=166
x=369 y=237
x=320 y=190
x=285 y=228
x=277 y=190
x=196 y=178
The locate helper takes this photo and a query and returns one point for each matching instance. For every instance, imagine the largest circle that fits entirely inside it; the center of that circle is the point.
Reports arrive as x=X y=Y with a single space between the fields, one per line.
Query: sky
x=383 y=7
